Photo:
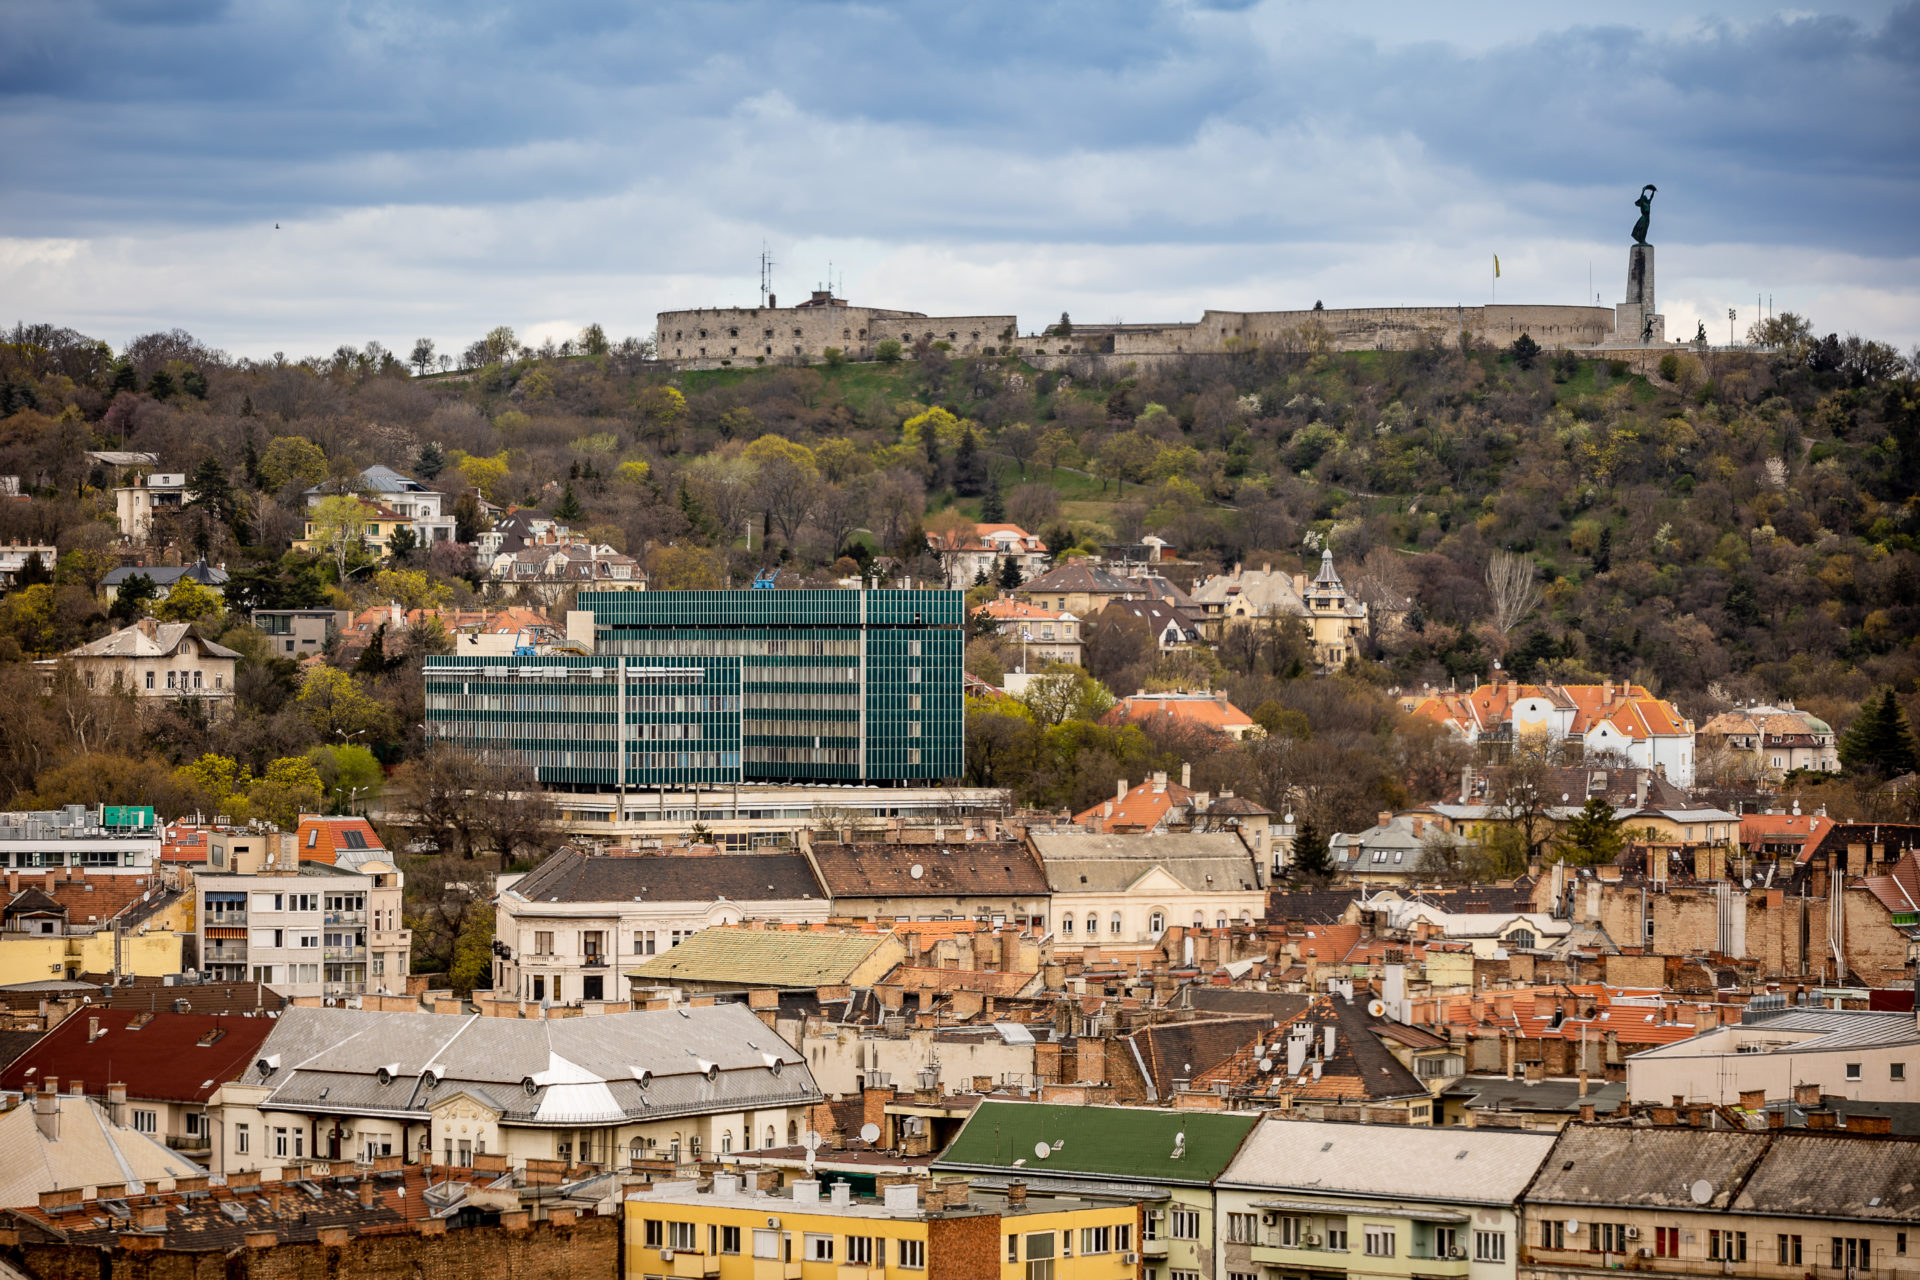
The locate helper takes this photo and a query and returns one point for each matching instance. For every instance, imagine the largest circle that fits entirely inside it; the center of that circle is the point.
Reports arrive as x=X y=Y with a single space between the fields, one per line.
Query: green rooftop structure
x=1169 y=1160
x=706 y=688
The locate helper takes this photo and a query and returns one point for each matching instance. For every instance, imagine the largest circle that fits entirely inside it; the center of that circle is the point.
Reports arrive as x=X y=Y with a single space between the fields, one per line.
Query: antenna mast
x=766 y=276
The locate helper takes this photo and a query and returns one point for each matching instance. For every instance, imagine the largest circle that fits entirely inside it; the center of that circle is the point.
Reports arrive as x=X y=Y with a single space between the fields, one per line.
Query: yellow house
x=380 y=523
x=731 y=1230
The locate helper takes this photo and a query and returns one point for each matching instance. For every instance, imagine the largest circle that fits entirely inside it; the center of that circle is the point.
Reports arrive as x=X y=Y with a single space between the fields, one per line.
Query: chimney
x=1857 y=1123
x=117 y=1103
x=1806 y=1095
x=1820 y=1118
x=1016 y=1193
x=46 y=1114
x=1586 y=1113
x=1386 y=816
x=1120 y=790
x=366 y=1192
x=1186 y=775
x=1583 y=1082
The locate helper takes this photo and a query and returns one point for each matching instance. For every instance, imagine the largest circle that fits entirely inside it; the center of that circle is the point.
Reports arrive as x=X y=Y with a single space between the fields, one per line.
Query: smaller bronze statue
x=1646 y=332
x=1645 y=205
x=1701 y=337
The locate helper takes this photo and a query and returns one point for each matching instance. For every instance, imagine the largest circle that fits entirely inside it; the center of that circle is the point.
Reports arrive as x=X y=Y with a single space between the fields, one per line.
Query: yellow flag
x=1496 y=266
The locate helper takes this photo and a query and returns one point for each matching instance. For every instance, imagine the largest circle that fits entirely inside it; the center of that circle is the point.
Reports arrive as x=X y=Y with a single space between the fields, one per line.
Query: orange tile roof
x=1010 y=610
x=1631 y=709
x=1207 y=712
x=321 y=838
x=1141 y=808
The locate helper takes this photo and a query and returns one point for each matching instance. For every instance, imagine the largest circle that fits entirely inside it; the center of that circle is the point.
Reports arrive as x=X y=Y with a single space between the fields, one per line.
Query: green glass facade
x=725 y=686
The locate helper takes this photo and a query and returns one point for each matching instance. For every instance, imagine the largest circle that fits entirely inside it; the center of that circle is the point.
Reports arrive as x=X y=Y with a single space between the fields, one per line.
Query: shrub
x=888 y=352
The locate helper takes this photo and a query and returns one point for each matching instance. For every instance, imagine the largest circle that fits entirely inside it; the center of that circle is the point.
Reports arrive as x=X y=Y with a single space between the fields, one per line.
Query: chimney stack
x=117 y=1103
x=46 y=1114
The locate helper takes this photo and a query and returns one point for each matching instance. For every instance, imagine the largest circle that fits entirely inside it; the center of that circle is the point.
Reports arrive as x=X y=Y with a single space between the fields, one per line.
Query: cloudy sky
x=292 y=175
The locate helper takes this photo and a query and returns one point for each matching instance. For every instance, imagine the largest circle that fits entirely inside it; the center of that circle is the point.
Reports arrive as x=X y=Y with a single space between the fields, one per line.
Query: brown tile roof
x=1141 y=808
x=169 y=1057
x=978 y=867
x=1076 y=576
x=992 y=982
x=1185 y=1050
x=571 y=875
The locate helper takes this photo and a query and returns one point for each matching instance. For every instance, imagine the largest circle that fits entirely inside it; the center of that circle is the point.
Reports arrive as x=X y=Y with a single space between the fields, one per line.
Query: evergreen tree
x=1311 y=858
x=1593 y=837
x=431 y=461
x=1603 y=554
x=402 y=543
x=1010 y=579
x=931 y=439
x=969 y=468
x=993 y=508
x=569 y=507
x=1880 y=742
x=160 y=386
x=34 y=572
x=129 y=602
x=212 y=491
x=194 y=383
x=125 y=378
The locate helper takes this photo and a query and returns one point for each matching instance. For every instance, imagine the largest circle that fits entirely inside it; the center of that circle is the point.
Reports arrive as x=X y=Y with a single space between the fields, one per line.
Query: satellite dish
x=1702 y=1192
x=1378 y=1008
x=869 y=1133
x=1042 y=1150
x=1573 y=1226
x=916 y=871
x=1266 y=1064
x=812 y=1141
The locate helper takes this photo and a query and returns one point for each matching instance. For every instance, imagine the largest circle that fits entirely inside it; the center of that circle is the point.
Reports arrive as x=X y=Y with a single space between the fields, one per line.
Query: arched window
x=726 y=1142
x=772 y=1135
x=1113 y=925
x=1156 y=923
x=636 y=1152
x=1220 y=921
x=793 y=1133
x=1066 y=924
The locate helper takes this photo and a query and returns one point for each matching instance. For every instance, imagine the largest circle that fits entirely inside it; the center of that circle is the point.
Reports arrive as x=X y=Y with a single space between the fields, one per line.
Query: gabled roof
x=1077 y=576
x=149 y=639
x=88 y=1150
x=1646 y=1168
x=1158 y=614
x=1183 y=1051
x=572 y=875
x=1265 y=591
x=956 y=867
x=157 y=1055
x=1141 y=809
x=1112 y=1144
x=1398 y=1162
x=336 y=840
x=32 y=902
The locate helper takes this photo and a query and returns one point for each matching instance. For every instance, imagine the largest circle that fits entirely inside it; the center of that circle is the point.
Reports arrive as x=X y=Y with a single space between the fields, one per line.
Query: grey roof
x=386 y=480
x=1826 y=1174
x=1813 y=1031
x=1077 y=577
x=570 y=875
x=1397 y=1162
x=149 y=639
x=1269 y=592
x=165 y=575
x=535 y=1071
x=1202 y=861
x=1646 y=1168
x=1497 y=1093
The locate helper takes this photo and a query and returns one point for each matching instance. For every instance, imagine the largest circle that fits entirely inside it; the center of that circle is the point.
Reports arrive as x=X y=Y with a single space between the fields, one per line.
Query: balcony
x=687 y=1266
x=217 y=919
x=189 y=1144
x=1274 y=1254
x=345 y=955
x=1438 y=1264
x=344 y=989
x=346 y=917
x=774 y=1269
x=594 y=962
x=859 y=1271
x=1154 y=1248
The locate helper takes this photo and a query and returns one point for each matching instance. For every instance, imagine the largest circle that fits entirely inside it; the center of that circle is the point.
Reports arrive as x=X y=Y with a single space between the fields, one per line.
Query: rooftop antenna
x=766 y=275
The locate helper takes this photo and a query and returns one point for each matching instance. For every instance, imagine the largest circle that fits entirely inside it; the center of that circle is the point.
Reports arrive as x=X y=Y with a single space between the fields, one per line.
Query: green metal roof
x=1133 y=1144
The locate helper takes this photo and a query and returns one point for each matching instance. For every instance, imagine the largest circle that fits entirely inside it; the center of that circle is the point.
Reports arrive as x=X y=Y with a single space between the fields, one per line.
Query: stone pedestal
x=1631 y=316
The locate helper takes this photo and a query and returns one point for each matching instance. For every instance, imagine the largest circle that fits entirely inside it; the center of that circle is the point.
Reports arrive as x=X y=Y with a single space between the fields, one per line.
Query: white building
x=1308 y=1197
x=568 y=930
x=412 y=501
x=137 y=504
x=965 y=556
x=1126 y=890
x=104 y=839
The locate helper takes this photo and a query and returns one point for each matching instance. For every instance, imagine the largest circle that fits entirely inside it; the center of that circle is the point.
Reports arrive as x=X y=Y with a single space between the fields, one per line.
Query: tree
x=568 y=508
x=292 y=460
x=402 y=543
x=336 y=708
x=130 y=601
x=1603 y=552
x=1879 y=742
x=658 y=409
x=1065 y=327
x=969 y=468
x=1512 y=589
x=422 y=357
x=833 y=357
x=291 y=786
x=160 y=385
x=339 y=522
x=1310 y=858
x=488 y=475
x=350 y=775
x=194 y=383
x=593 y=341
x=430 y=462
x=1010 y=579
x=1592 y=837
x=1525 y=351
x=888 y=352
x=411 y=589
x=213 y=491
x=188 y=601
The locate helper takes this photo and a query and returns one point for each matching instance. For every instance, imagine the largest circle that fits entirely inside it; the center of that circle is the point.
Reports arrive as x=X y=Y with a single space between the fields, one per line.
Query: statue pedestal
x=1630 y=317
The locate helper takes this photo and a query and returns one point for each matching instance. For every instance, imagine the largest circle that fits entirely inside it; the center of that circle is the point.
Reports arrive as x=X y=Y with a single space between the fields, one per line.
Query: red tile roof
x=322 y=837
x=163 y=1058
x=1142 y=808
x=1211 y=713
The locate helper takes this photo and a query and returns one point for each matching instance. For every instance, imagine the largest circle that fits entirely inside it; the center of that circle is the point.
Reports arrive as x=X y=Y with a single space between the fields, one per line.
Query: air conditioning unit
x=1269 y=1218
x=1633 y=1233
x=1130 y=1259
x=773 y=1224
x=1643 y=1253
x=1310 y=1240
x=666 y=1255
x=1457 y=1253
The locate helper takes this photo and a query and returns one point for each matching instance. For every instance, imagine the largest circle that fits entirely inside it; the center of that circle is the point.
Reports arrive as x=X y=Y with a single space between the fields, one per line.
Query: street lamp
x=1731 y=315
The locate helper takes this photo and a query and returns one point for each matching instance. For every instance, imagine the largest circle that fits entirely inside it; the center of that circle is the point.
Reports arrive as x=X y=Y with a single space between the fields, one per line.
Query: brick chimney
x=1016 y=1193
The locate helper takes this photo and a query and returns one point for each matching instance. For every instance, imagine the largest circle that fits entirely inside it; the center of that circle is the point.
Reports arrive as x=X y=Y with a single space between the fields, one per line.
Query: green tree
x=1603 y=553
x=969 y=468
x=130 y=601
x=290 y=787
x=1879 y=742
x=336 y=708
x=834 y=357
x=1311 y=859
x=1525 y=351
x=339 y=523
x=292 y=460
x=993 y=507
x=402 y=543
x=213 y=491
x=888 y=352
x=1010 y=579
x=349 y=774
x=593 y=340
x=188 y=601
x=125 y=377
x=430 y=462
x=194 y=383
x=568 y=508
x=160 y=385
x=472 y=953
x=1592 y=837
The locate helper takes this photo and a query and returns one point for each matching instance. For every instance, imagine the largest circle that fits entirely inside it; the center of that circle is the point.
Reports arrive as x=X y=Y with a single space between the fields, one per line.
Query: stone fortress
x=717 y=337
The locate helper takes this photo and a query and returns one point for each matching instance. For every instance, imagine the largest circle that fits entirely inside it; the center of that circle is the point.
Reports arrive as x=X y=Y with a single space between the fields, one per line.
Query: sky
x=292 y=175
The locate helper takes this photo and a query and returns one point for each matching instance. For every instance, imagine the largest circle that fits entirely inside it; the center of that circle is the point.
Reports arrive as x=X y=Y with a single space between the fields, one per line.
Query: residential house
x=399 y=497
x=171 y=660
x=618 y=1089
x=1389 y=851
x=995 y=881
x=14 y=559
x=975 y=554
x=744 y=957
x=300 y=633
x=1166 y=1160
x=54 y=1142
x=164 y=578
x=1776 y=1048
x=304 y=927
x=166 y=1069
x=1777 y=740
x=1318 y=1198
x=1687 y=1201
x=572 y=928
x=157 y=493
x=1171 y=629
x=378 y=524
x=1200 y=710
x=1124 y=891
x=1256 y=597
x=546 y=573
x=1076 y=587
x=1044 y=635
x=1606 y=721
x=514 y=531
x=731 y=1229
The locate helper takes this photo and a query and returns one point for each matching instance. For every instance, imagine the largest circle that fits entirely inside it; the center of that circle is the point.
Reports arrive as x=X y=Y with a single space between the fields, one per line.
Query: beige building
x=1127 y=890
x=159 y=660
x=1044 y=635
x=1844 y=1053
x=1334 y=622
x=676 y=1084
x=712 y=337
x=136 y=504
x=1777 y=740
x=54 y=1142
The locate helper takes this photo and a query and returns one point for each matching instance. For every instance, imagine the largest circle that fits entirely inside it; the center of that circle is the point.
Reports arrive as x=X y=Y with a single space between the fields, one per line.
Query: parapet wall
x=710 y=338
x=1371 y=329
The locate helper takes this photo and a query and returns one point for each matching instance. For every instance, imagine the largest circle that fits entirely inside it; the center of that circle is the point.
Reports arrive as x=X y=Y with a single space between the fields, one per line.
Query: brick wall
x=964 y=1248
x=583 y=1250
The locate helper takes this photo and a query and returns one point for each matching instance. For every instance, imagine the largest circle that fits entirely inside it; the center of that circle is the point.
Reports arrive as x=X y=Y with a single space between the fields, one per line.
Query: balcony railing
x=594 y=962
x=346 y=954
x=346 y=917
x=189 y=1144
x=226 y=918
x=345 y=988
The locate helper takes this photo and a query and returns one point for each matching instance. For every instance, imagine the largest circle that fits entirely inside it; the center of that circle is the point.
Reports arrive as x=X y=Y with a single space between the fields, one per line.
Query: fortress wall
x=710 y=337
x=1373 y=328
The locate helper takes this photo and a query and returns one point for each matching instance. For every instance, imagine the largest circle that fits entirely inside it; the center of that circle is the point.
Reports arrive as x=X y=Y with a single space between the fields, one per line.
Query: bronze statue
x=1645 y=205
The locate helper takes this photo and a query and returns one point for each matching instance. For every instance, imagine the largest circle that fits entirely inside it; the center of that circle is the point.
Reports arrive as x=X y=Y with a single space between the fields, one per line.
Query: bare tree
x=1511 y=588
x=788 y=493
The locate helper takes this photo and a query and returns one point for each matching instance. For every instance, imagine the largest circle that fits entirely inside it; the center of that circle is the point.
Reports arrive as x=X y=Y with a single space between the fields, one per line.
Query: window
x=1242 y=1228
x=766 y=1244
x=819 y=1248
x=1378 y=1242
x=1186 y=1224
x=1896 y=1071
x=1553 y=1235
x=1853 y=1071
x=1156 y=923
x=543 y=943
x=242 y=1139
x=1490 y=1246
x=681 y=1235
x=1900 y=1243
x=1789 y=1250
x=1446 y=1242
x=279 y=1141
x=149 y=679
x=1852 y=1252
x=1013 y=1248
x=1666 y=1242
x=643 y=943
x=860 y=1251
x=1100 y=1239
x=913 y=1254
x=144 y=1121
x=1607 y=1237
x=1184 y=1275
x=1290 y=1233
x=1337 y=1235
x=1113 y=925
x=1066 y=924
x=656 y=1234
x=1727 y=1246
x=729 y=1239
x=1151 y=1231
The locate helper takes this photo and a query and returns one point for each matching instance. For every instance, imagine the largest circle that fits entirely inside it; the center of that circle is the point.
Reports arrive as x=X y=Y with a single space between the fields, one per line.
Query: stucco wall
x=709 y=337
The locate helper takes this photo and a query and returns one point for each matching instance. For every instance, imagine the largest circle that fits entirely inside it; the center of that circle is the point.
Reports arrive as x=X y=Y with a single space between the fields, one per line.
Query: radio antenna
x=766 y=275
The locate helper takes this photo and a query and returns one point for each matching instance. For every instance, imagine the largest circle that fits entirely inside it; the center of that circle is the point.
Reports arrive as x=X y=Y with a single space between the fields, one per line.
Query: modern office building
x=691 y=689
